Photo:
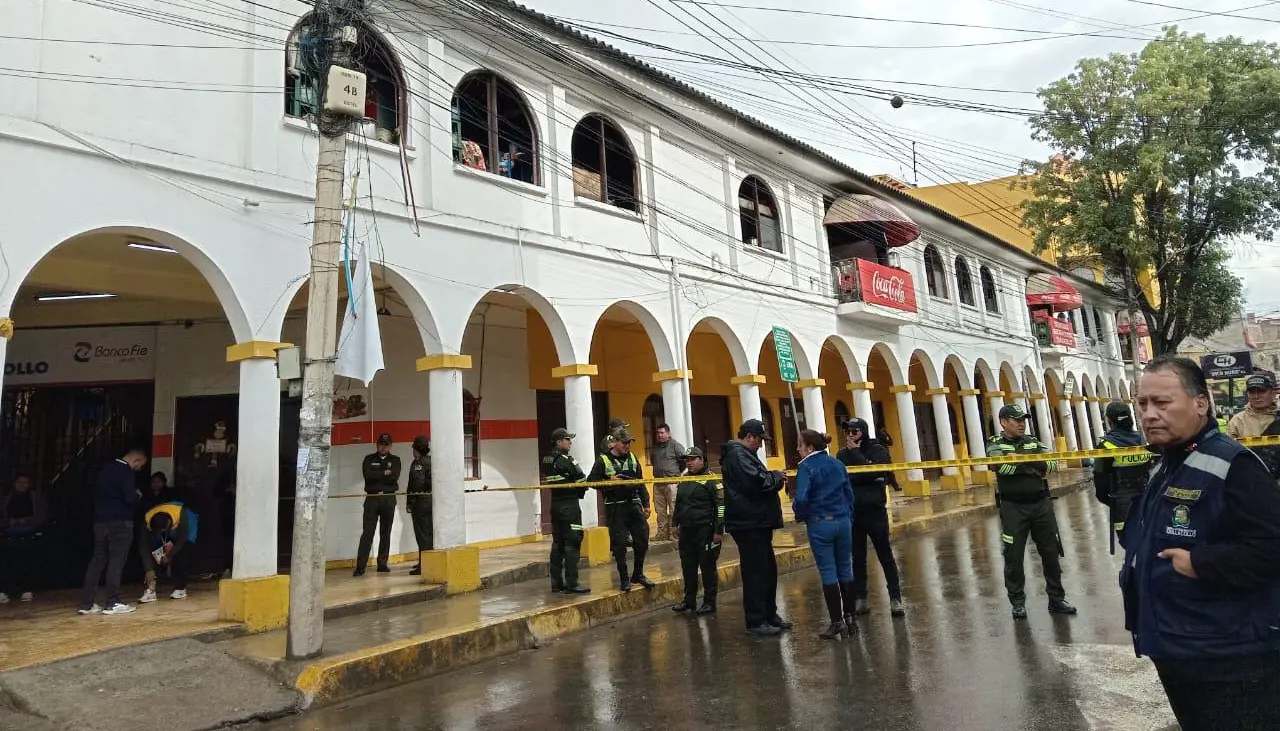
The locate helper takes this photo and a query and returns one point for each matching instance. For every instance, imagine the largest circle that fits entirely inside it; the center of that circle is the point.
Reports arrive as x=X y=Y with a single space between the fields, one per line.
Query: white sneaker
x=95 y=609
x=119 y=608
x=178 y=594
x=28 y=596
x=148 y=596
x=4 y=598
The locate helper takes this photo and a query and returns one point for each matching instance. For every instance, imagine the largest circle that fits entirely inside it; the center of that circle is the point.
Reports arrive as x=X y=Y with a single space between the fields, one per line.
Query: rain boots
x=835 y=608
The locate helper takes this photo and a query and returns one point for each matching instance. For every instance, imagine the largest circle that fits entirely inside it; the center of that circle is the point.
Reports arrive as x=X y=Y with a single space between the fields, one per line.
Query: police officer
x=1118 y=481
x=566 y=514
x=626 y=508
x=381 y=479
x=419 y=501
x=870 y=515
x=610 y=432
x=1022 y=494
x=698 y=525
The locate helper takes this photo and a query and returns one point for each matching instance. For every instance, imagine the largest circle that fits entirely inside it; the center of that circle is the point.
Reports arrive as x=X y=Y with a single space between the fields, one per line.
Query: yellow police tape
x=896 y=467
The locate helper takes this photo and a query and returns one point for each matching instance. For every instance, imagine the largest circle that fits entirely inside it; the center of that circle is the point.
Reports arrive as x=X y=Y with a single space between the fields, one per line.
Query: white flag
x=360 y=344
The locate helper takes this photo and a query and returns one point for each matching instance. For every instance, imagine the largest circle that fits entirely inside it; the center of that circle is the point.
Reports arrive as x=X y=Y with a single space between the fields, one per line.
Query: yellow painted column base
x=457 y=568
x=260 y=604
x=983 y=477
x=595 y=546
x=953 y=482
x=917 y=488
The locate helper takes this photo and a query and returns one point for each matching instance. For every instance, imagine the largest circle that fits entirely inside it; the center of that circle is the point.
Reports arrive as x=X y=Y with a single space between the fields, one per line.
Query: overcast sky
x=881 y=55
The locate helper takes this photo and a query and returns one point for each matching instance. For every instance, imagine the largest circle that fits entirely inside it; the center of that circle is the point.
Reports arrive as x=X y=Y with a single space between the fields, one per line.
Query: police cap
x=562 y=433
x=421 y=443
x=1118 y=411
x=1013 y=411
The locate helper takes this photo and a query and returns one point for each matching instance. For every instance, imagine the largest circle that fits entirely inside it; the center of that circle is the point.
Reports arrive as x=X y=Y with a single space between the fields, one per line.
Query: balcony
x=873 y=293
x=1054 y=335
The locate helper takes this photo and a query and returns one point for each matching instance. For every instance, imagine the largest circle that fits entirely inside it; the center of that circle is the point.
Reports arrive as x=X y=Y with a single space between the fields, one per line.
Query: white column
x=907 y=432
x=1082 y=423
x=257 y=471
x=815 y=412
x=996 y=400
x=579 y=419
x=863 y=409
x=1064 y=408
x=1044 y=420
x=448 y=466
x=4 y=348
x=973 y=426
x=942 y=423
x=673 y=410
x=1095 y=417
x=749 y=398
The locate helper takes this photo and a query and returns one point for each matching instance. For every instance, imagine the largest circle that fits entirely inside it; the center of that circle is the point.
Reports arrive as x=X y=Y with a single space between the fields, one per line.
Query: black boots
x=896 y=609
x=847 y=599
x=835 y=608
x=1061 y=606
x=642 y=580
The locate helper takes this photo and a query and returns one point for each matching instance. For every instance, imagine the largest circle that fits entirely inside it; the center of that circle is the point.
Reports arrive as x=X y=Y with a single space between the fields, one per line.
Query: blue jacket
x=1215 y=499
x=116 y=495
x=822 y=488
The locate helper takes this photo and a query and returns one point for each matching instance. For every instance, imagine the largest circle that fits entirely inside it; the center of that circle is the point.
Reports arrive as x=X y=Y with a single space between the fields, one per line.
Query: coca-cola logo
x=894 y=288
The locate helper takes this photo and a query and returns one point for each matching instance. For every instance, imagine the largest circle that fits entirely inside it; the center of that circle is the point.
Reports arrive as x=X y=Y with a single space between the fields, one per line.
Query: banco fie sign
x=81 y=355
x=1227 y=365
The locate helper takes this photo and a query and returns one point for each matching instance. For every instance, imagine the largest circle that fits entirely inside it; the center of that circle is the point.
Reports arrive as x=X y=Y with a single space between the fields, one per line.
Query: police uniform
x=699 y=517
x=566 y=516
x=419 y=500
x=1118 y=481
x=379 y=505
x=624 y=508
x=1022 y=494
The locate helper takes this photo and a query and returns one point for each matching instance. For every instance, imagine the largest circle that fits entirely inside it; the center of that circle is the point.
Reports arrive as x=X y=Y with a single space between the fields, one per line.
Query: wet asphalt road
x=956 y=662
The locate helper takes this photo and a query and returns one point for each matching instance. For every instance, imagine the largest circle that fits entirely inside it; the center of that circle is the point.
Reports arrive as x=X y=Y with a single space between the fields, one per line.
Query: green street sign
x=786 y=358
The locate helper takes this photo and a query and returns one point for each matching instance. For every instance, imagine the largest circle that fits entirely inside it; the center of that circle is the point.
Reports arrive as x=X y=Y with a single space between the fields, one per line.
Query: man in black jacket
x=566 y=514
x=418 y=503
x=381 y=480
x=870 y=515
x=753 y=512
x=113 y=506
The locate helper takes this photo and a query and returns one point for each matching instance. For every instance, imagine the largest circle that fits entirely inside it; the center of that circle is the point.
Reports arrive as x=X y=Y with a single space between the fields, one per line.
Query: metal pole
x=795 y=415
x=306 y=576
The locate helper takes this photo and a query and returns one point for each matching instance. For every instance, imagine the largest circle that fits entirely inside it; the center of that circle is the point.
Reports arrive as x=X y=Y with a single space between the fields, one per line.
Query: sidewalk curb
x=377 y=668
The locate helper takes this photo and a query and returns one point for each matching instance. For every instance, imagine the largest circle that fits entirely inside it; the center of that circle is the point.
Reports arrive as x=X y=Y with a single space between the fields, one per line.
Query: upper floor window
x=990 y=296
x=1097 y=323
x=934 y=273
x=1084 y=321
x=384 y=107
x=493 y=130
x=758 y=210
x=964 y=282
x=604 y=164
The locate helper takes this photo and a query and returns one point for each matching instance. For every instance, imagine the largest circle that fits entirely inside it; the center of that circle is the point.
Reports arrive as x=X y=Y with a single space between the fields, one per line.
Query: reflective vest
x=1170 y=615
x=629 y=468
x=1128 y=474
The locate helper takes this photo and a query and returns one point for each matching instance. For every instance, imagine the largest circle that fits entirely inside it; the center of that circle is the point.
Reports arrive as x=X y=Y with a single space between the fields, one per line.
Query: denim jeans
x=832 y=543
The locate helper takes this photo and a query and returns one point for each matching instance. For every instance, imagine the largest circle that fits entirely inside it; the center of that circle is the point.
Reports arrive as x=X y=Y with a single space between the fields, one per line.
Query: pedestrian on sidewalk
x=1201 y=576
x=566 y=514
x=1118 y=481
x=1023 y=499
x=1253 y=420
x=167 y=529
x=752 y=512
x=418 y=503
x=824 y=503
x=665 y=459
x=381 y=481
x=698 y=525
x=114 y=498
x=626 y=507
x=870 y=515
x=23 y=514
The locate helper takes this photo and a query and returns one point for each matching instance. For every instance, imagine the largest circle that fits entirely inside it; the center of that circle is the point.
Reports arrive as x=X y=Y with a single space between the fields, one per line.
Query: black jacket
x=750 y=490
x=699 y=504
x=375 y=482
x=1271 y=455
x=1114 y=476
x=116 y=494
x=563 y=469
x=868 y=487
x=419 y=487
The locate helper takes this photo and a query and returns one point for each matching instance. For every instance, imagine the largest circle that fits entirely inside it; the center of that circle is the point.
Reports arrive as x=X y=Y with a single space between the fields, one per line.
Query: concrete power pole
x=333 y=38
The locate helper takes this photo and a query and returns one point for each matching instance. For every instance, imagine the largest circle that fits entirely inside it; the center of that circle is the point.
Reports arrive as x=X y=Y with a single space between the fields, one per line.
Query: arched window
x=964 y=282
x=934 y=274
x=1084 y=321
x=604 y=164
x=654 y=414
x=842 y=414
x=471 y=434
x=493 y=130
x=1097 y=322
x=758 y=211
x=766 y=415
x=990 y=297
x=384 y=107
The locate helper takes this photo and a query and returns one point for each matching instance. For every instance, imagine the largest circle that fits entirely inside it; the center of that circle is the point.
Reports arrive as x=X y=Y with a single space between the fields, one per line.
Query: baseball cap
x=1118 y=411
x=855 y=424
x=562 y=433
x=753 y=426
x=421 y=443
x=694 y=452
x=1013 y=411
x=384 y=438
x=1260 y=381
x=624 y=436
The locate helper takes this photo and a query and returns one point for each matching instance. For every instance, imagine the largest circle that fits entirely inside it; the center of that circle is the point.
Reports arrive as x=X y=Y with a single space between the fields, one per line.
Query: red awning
x=868 y=210
x=1051 y=290
x=1123 y=328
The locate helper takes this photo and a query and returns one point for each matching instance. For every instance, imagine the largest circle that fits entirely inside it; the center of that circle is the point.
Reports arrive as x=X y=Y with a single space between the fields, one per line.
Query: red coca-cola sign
x=887 y=286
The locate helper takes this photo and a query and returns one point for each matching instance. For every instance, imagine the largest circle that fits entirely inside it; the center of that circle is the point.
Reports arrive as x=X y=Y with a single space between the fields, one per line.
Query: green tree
x=1163 y=159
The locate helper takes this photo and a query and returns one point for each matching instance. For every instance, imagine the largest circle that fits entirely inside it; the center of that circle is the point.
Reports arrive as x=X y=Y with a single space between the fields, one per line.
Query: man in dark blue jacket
x=113 y=507
x=1201 y=576
x=752 y=512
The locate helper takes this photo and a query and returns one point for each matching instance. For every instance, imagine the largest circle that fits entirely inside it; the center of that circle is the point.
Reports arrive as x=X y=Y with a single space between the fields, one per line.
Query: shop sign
x=81 y=355
x=887 y=286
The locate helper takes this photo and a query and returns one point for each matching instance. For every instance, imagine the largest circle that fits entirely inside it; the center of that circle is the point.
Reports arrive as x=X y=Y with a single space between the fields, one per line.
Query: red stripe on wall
x=366 y=432
x=161 y=446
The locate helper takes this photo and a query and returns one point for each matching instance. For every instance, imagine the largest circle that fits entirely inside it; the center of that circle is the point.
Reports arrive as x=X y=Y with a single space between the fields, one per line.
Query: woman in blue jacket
x=824 y=501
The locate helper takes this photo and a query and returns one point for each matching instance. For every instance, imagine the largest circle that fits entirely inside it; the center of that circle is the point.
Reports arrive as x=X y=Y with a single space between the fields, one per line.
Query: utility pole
x=339 y=93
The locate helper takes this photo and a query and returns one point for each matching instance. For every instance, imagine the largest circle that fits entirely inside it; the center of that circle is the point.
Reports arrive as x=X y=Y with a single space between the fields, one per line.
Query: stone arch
x=1009 y=380
x=1031 y=382
x=1124 y=391
x=741 y=363
x=932 y=375
x=890 y=361
x=1051 y=377
x=560 y=337
x=983 y=377
x=1100 y=387
x=1086 y=385
x=841 y=347
x=805 y=366
x=963 y=375
x=658 y=339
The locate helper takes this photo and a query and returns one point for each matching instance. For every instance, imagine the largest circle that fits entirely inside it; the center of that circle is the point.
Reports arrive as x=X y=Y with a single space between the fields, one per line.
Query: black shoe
x=682 y=607
x=556 y=588
x=834 y=631
x=576 y=590
x=384 y=569
x=764 y=630
x=707 y=608
x=1019 y=611
x=896 y=609
x=1061 y=606
x=417 y=571
x=358 y=572
x=624 y=586
x=861 y=607
x=642 y=580
x=782 y=624
x=850 y=627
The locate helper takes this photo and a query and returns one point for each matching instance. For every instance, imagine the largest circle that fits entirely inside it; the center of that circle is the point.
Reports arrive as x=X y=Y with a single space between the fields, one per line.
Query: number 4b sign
x=786 y=358
x=345 y=92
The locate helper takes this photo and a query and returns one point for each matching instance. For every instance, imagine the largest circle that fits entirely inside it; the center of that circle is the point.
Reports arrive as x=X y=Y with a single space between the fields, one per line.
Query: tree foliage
x=1164 y=158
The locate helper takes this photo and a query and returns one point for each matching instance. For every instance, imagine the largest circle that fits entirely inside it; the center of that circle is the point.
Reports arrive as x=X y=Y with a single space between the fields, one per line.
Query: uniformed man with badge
x=1022 y=496
x=698 y=524
x=566 y=514
x=626 y=507
x=419 y=501
x=1118 y=481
